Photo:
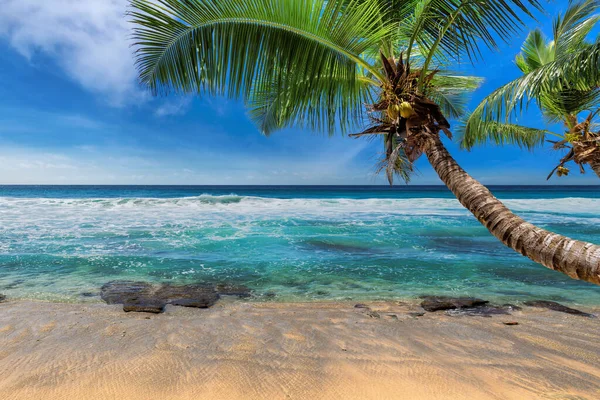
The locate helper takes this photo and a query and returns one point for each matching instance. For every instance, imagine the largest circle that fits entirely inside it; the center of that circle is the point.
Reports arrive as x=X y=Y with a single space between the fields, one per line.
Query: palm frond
x=578 y=71
x=555 y=105
x=572 y=28
x=228 y=47
x=562 y=77
x=456 y=27
x=535 y=52
x=481 y=132
x=277 y=105
x=449 y=81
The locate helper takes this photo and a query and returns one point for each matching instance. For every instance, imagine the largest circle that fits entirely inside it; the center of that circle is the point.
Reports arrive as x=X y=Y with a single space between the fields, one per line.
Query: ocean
x=286 y=243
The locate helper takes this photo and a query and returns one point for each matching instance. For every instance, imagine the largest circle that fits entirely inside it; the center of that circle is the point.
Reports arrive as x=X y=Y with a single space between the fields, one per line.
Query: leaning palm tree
x=316 y=63
x=565 y=103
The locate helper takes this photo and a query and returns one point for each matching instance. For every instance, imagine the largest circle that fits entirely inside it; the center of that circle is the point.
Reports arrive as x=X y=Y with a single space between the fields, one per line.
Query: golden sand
x=293 y=351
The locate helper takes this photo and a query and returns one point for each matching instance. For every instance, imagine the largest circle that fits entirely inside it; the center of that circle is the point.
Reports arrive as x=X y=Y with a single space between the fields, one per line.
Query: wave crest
x=252 y=205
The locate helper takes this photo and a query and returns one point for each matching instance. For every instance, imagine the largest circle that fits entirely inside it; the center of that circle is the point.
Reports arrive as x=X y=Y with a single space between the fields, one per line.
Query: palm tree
x=316 y=63
x=565 y=103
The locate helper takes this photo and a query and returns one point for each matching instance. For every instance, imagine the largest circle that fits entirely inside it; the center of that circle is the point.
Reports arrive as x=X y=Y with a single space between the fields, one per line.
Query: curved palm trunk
x=595 y=164
x=579 y=260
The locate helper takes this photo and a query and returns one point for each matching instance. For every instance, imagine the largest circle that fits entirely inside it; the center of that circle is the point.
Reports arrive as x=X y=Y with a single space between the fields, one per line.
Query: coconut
x=406 y=110
x=393 y=111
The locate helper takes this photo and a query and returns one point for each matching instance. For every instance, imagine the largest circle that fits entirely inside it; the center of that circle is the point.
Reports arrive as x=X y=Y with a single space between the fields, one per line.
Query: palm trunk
x=579 y=260
x=595 y=164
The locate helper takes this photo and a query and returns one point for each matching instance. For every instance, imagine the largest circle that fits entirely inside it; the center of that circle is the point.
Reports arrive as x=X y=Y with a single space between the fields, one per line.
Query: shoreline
x=255 y=350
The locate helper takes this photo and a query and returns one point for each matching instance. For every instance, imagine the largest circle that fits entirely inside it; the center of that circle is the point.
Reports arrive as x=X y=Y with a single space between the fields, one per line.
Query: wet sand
x=238 y=350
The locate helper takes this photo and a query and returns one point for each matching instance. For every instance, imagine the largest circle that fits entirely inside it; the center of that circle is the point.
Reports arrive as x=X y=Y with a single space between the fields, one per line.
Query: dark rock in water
x=2 y=298
x=554 y=306
x=88 y=294
x=438 y=303
x=144 y=297
x=340 y=247
x=120 y=292
x=14 y=284
x=481 y=311
x=193 y=303
x=360 y=305
x=199 y=296
x=270 y=294
x=234 y=290
x=144 y=305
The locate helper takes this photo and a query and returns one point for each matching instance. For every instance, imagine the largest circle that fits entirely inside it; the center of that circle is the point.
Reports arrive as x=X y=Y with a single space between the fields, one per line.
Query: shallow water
x=298 y=243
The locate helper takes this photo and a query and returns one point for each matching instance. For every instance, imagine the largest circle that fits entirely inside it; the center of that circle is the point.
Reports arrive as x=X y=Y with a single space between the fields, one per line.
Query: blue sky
x=72 y=113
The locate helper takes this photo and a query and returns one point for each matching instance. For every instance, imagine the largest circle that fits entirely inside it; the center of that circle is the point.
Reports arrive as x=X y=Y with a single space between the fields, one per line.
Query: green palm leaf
x=276 y=105
x=571 y=29
x=561 y=76
x=225 y=47
x=293 y=62
x=455 y=28
x=452 y=92
x=535 y=52
x=503 y=133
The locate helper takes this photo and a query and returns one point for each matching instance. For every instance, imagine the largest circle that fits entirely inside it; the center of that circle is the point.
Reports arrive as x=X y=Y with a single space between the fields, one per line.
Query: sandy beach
x=238 y=350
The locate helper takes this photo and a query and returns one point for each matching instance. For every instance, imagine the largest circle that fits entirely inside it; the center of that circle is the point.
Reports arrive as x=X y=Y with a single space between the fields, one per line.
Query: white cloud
x=88 y=39
x=177 y=106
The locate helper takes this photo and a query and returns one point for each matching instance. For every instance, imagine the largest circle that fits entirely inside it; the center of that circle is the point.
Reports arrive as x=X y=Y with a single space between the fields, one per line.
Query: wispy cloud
x=88 y=39
x=176 y=106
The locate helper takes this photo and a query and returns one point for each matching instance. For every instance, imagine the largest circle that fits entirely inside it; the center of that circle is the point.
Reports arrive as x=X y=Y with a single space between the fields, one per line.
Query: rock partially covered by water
x=135 y=296
x=118 y=292
x=240 y=291
x=439 y=303
x=552 y=305
x=481 y=311
x=147 y=305
x=199 y=296
x=145 y=297
x=2 y=298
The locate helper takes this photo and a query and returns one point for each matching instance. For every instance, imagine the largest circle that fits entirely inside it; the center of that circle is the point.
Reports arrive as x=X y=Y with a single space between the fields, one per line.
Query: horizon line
x=285 y=185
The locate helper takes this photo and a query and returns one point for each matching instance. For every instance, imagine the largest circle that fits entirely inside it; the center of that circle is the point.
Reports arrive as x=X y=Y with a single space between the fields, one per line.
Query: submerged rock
x=554 y=306
x=2 y=298
x=144 y=305
x=198 y=296
x=340 y=247
x=120 y=292
x=481 y=311
x=14 y=284
x=240 y=291
x=439 y=303
x=145 y=297
x=470 y=306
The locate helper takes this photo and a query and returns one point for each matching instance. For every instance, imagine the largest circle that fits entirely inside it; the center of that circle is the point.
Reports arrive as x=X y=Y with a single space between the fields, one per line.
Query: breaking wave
x=249 y=204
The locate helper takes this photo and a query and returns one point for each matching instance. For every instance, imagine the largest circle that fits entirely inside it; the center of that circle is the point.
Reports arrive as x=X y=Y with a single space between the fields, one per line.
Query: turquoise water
x=298 y=243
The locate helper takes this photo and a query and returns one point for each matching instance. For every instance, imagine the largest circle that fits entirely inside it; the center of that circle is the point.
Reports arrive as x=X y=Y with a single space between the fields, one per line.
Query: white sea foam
x=241 y=205
x=56 y=221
